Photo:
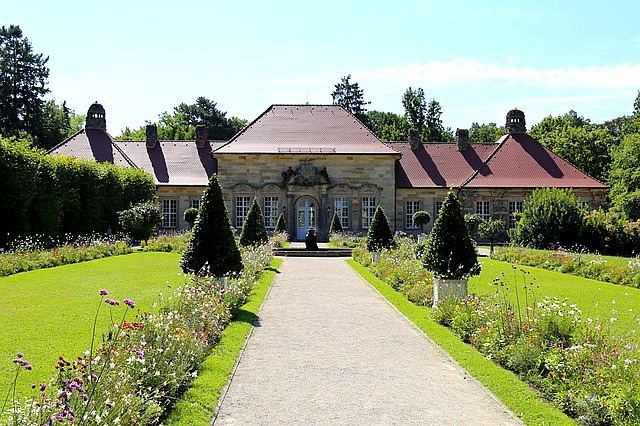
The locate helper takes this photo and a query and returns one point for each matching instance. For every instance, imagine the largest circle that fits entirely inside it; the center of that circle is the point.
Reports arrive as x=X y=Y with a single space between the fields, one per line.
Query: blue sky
x=478 y=59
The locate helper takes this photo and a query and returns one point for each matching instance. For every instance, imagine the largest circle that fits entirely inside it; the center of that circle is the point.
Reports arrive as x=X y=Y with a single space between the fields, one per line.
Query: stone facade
x=302 y=182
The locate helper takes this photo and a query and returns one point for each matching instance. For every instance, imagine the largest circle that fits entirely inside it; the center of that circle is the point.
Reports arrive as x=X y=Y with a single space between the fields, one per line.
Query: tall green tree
x=212 y=243
x=485 y=132
x=351 y=97
x=23 y=82
x=388 y=126
x=577 y=140
x=425 y=117
x=434 y=129
x=54 y=123
x=624 y=177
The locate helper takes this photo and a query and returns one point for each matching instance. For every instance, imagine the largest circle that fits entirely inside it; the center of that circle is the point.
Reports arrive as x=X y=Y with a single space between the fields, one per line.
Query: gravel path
x=330 y=350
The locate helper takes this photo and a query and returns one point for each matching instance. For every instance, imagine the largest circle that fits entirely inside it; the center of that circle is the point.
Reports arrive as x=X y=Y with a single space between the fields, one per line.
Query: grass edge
x=198 y=404
x=505 y=385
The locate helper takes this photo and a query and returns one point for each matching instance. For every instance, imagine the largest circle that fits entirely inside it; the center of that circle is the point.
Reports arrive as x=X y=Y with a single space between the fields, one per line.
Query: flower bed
x=576 y=263
x=142 y=364
x=38 y=252
x=579 y=363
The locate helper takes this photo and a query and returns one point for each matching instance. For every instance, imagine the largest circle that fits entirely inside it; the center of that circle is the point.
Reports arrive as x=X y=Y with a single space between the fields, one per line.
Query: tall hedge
x=212 y=242
x=58 y=195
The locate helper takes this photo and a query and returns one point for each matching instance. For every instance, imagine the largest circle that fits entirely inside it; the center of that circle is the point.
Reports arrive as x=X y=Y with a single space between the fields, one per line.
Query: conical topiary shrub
x=449 y=252
x=379 y=235
x=281 y=225
x=253 y=232
x=212 y=241
x=336 y=226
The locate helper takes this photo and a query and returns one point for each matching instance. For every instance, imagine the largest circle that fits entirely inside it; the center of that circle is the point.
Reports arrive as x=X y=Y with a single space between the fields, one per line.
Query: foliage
x=379 y=234
x=472 y=221
x=336 y=225
x=346 y=239
x=63 y=195
x=212 y=245
x=141 y=221
x=149 y=361
x=181 y=125
x=577 y=263
x=38 y=252
x=169 y=241
x=351 y=97
x=574 y=360
x=624 y=177
x=490 y=229
x=425 y=117
x=551 y=217
x=23 y=80
x=421 y=218
x=388 y=126
x=574 y=138
x=279 y=239
x=253 y=230
x=281 y=224
x=485 y=132
x=608 y=232
x=449 y=251
x=190 y=216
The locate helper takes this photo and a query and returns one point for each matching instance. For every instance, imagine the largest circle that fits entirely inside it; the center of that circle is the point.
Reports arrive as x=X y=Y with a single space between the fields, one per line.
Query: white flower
x=613 y=319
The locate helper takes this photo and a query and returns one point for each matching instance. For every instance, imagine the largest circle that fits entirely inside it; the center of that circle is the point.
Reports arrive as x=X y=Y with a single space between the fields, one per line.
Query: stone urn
x=445 y=287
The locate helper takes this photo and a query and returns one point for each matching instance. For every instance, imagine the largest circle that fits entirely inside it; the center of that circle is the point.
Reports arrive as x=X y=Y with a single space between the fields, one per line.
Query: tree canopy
x=425 y=117
x=351 y=97
x=485 y=132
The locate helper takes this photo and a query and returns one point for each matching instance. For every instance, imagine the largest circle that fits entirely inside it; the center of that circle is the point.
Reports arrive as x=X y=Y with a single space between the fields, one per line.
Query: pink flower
x=104 y=292
x=112 y=302
x=130 y=303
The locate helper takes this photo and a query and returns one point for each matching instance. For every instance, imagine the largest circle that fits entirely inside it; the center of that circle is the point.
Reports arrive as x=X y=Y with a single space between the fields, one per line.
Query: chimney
x=462 y=139
x=414 y=139
x=515 y=125
x=201 y=135
x=151 y=133
x=96 y=118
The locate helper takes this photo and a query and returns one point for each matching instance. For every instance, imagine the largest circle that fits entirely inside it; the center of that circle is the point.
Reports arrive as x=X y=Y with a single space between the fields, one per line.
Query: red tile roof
x=520 y=161
x=515 y=161
x=321 y=129
x=177 y=163
x=438 y=165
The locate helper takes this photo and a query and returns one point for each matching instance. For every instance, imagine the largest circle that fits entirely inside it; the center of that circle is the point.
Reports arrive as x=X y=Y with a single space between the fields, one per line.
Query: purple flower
x=109 y=404
x=130 y=303
x=111 y=302
x=104 y=292
x=20 y=354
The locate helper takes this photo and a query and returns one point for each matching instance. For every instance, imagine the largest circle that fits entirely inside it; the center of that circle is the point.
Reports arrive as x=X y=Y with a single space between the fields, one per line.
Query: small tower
x=515 y=125
x=96 y=118
x=462 y=139
x=201 y=135
x=151 y=134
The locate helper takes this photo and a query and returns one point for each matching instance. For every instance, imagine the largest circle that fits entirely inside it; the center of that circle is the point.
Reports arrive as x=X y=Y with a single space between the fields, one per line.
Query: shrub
x=472 y=221
x=490 y=229
x=212 y=243
x=281 y=225
x=379 y=235
x=190 y=216
x=336 y=226
x=449 y=252
x=169 y=241
x=421 y=218
x=551 y=217
x=253 y=230
x=141 y=221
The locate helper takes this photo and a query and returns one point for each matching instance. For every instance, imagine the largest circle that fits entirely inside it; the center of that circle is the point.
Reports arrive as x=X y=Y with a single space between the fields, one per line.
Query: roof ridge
x=66 y=140
x=126 y=157
x=486 y=162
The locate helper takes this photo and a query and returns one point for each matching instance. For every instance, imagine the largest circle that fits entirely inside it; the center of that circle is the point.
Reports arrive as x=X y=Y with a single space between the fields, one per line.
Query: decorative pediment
x=306 y=174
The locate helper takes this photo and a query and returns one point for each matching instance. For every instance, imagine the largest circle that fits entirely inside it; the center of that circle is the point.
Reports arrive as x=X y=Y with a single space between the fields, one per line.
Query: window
x=368 y=210
x=482 y=208
x=410 y=209
x=514 y=207
x=242 y=208
x=436 y=209
x=270 y=212
x=169 y=213
x=341 y=207
x=195 y=203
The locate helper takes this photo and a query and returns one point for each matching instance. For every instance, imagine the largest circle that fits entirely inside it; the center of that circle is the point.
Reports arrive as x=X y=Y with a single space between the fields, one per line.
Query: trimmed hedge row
x=63 y=195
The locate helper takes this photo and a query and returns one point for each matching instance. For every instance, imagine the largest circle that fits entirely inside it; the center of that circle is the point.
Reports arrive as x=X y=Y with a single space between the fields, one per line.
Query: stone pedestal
x=443 y=288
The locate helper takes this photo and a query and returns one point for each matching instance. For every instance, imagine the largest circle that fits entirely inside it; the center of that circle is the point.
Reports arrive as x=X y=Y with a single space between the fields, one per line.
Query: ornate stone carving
x=306 y=174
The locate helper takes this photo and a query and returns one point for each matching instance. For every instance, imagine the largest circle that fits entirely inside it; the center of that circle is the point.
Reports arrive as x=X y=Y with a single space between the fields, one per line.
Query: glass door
x=305 y=217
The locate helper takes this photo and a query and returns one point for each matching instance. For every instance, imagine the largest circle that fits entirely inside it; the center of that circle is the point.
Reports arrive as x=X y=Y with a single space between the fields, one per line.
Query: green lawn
x=596 y=299
x=50 y=312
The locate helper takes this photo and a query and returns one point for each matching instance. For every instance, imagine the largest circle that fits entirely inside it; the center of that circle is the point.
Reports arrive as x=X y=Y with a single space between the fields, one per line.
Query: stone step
x=321 y=252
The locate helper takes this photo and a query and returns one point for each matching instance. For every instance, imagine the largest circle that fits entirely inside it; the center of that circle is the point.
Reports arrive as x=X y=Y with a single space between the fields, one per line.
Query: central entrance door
x=305 y=217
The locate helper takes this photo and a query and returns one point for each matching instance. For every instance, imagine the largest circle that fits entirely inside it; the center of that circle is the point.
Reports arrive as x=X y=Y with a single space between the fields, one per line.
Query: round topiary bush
x=190 y=216
x=141 y=221
x=212 y=242
x=379 y=235
x=421 y=218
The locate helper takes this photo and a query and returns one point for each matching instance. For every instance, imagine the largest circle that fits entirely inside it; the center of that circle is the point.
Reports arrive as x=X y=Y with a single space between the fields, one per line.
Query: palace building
x=309 y=161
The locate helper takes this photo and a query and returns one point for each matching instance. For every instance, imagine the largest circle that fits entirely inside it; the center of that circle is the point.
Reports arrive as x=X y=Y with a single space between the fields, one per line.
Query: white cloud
x=468 y=71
